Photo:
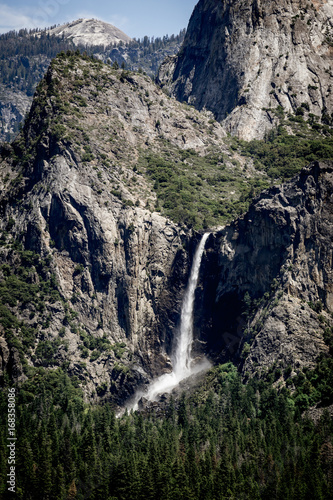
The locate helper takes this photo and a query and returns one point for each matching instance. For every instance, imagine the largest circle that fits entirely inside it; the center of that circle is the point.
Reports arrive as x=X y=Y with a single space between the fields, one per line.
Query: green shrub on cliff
x=200 y=192
x=283 y=155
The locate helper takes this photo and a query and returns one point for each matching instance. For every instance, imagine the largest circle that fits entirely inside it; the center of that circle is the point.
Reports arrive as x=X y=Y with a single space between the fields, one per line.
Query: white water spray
x=182 y=360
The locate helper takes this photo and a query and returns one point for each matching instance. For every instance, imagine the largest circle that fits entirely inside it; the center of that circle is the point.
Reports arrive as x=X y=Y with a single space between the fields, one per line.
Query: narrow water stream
x=182 y=361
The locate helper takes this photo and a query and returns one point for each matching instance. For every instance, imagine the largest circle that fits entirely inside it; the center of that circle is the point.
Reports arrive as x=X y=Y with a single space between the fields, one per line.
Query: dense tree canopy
x=227 y=440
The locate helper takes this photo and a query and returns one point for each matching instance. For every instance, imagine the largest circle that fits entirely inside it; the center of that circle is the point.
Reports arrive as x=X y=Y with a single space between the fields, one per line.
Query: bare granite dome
x=90 y=32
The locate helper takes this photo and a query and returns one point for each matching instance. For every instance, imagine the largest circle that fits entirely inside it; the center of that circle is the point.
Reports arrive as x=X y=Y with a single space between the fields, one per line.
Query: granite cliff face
x=248 y=61
x=72 y=194
x=280 y=254
x=92 y=276
x=13 y=108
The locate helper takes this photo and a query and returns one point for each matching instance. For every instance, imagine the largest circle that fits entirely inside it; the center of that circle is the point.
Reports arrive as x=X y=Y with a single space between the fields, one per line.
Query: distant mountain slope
x=25 y=56
x=90 y=32
x=247 y=60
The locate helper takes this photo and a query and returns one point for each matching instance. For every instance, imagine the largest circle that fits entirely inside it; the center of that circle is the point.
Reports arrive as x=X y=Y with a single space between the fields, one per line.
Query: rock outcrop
x=26 y=57
x=280 y=254
x=248 y=61
x=92 y=276
x=13 y=108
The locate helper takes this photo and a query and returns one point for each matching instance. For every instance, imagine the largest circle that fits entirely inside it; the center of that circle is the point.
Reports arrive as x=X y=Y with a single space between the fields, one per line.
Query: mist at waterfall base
x=182 y=362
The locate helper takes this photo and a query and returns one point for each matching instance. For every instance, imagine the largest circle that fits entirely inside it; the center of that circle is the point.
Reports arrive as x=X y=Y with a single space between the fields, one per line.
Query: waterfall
x=182 y=359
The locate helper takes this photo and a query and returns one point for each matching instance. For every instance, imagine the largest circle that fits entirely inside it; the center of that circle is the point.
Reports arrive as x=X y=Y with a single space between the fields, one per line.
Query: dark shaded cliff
x=267 y=282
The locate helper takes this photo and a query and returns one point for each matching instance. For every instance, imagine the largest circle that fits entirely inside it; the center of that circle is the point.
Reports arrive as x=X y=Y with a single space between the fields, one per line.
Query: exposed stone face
x=241 y=60
x=129 y=286
x=291 y=335
x=90 y=32
x=121 y=267
x=132 y=271
x=13 y=108
x=282 y=248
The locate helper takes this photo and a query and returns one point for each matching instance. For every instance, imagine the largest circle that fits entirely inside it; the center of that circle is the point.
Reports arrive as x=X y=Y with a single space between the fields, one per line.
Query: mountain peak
x=90 y=32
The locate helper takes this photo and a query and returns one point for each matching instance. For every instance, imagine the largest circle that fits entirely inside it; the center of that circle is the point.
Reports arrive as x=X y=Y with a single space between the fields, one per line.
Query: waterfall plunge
x=182 y=360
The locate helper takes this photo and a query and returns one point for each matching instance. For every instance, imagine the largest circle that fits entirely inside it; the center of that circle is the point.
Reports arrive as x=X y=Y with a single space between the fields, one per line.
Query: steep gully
x=182 y=361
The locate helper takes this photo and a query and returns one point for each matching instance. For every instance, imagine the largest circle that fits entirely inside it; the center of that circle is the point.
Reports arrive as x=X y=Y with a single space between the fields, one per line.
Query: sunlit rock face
x=81 y=200
x=90 y=32
x=248 y=61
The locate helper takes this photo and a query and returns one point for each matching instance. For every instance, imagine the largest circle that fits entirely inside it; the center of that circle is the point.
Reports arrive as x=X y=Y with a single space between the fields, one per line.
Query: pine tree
x=44 y=471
